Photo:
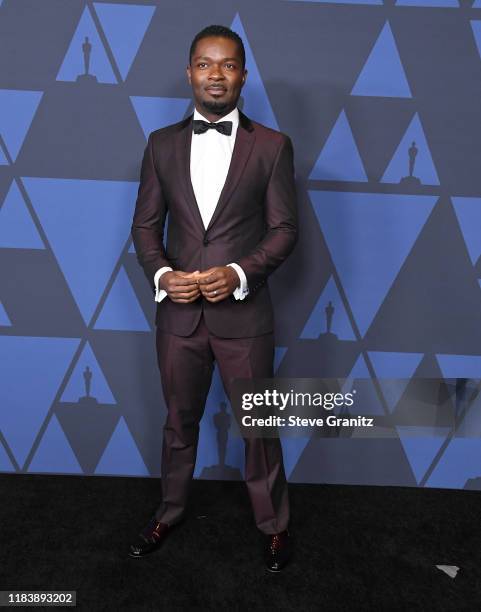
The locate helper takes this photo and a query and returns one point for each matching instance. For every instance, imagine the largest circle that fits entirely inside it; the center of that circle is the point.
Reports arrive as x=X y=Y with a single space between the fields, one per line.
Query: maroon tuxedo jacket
x=254 y=224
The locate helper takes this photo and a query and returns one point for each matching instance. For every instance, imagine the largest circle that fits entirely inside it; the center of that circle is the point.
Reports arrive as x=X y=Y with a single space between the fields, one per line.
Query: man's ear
x=189 y=75
x=244 y=77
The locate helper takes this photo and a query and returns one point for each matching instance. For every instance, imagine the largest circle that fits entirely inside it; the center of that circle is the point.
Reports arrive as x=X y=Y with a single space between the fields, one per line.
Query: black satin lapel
x=240 y=154
x=182 y=152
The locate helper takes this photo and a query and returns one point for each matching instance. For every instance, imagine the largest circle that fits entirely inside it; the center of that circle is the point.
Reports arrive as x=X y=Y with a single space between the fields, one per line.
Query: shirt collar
x=232 y=116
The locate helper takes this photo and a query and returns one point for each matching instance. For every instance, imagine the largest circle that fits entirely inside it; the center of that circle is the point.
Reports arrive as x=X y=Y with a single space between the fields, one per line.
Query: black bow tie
x=223 y=127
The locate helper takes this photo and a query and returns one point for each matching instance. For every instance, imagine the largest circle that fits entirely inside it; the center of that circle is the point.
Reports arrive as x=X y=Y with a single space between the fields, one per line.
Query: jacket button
x=206 y=242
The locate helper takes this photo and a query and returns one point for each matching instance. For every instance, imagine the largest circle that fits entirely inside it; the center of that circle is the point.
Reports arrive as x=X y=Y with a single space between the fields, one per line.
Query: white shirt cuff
x=160 y=293
x=243 y=290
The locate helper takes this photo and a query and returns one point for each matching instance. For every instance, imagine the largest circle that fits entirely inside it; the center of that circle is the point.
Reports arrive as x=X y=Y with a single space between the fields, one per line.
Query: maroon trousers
x=186 y=365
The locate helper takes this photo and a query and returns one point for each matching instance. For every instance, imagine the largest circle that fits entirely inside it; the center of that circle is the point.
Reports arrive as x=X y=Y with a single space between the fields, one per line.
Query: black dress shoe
x=278 y=551
x=149 y=539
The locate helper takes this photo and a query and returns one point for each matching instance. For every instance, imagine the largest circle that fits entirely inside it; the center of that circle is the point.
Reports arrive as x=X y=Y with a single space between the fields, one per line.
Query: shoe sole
x=154 y=550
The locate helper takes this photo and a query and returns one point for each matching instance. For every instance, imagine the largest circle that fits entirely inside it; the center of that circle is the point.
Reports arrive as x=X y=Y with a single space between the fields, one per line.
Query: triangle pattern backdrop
x=17 y=229
x=460 y=366
x=54 y=453
x=32 y=371
x=369 y=236
x=256 y=101
x=470 y=426
x=476 y=26
x=122 y=456
x=462 y=457
x=468 y=212
x=17 y=111
x=460 y=461
x=317 y=321
x=5 y=463
x=292 y=449
x=86 y=252
x=122 y=310
x=360 y=379
x=424 y=166
x=421 y=447
x=124 y=26
x=73 y=65
x=339 y=160
x=76 y=385
x=393 y=371
x=4 y=320
x=155 y=113
x=383 y=73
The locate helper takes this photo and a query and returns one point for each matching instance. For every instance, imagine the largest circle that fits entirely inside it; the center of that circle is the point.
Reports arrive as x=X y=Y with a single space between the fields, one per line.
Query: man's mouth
x=216 y=89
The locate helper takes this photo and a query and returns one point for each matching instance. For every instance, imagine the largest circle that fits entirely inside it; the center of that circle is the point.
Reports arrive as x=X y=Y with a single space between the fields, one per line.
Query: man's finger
x=183 y=301
x=184 y=295
x=207 y=272
x=185 y=292
x=216 y=298
x=187 y=274
x=212 y=278
x=182 y=282
x=215 y=286
x=187 y=295
x=179 y=290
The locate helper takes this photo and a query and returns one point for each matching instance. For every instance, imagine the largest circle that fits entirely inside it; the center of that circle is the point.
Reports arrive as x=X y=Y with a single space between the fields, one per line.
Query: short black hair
x=218 y=30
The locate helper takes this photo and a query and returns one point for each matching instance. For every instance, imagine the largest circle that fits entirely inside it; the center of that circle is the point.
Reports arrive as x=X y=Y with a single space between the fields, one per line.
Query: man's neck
x=211 y=116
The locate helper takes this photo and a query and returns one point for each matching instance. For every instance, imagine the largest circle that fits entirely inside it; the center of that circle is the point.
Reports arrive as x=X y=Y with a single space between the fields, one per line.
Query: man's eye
x=230 y=65
x=201 y=64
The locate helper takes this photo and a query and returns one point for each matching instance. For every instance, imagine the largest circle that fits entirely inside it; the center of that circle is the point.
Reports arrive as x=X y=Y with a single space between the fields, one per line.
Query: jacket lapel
x=182 y=152
x=244 y=142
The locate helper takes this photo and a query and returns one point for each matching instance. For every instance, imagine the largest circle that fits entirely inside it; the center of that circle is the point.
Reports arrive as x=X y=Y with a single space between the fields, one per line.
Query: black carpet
x=357 y=548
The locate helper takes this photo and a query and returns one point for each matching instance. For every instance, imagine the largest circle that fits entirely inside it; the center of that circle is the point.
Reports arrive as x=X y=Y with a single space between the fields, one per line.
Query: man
x=228 y=185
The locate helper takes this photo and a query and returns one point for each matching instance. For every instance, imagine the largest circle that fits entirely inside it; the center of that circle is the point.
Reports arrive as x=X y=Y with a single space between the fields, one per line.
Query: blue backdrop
x=381 y=100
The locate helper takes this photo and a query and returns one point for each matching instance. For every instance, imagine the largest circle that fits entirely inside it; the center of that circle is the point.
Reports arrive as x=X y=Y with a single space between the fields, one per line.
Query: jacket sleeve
x=280 y=214
x=149 y=219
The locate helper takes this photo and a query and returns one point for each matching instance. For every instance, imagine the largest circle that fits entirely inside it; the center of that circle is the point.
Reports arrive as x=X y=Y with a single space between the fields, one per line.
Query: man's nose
x=216 y=73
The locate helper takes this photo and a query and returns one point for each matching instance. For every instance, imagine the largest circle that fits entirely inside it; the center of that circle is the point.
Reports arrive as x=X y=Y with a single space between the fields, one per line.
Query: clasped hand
x=214 y=284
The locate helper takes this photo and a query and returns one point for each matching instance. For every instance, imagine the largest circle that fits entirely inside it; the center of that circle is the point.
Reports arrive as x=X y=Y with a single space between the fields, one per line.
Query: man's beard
x=216 y=107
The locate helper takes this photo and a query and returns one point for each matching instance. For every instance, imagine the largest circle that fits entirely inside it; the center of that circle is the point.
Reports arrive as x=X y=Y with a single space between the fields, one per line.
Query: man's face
x=216 y=75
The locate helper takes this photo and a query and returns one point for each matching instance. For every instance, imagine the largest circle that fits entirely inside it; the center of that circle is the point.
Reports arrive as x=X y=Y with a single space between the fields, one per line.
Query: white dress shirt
x=210 y=157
